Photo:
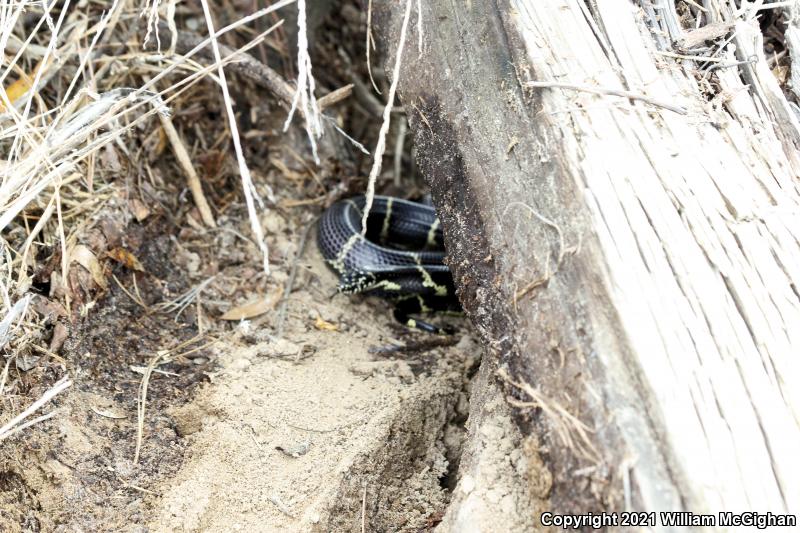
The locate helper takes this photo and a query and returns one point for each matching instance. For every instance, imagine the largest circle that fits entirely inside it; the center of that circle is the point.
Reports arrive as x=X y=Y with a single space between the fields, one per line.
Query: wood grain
x=665 y=304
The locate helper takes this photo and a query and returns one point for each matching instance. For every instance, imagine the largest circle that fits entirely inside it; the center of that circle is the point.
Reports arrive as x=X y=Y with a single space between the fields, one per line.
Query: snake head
x=355 y=282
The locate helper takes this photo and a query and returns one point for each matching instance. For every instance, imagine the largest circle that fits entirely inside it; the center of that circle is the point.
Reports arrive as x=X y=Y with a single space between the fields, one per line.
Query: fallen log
x=622 y=219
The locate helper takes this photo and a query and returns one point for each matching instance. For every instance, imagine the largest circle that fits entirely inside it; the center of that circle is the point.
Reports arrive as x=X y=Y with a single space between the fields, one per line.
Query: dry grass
x=387 y=114
x=79 y=82
x=118 y=117
x=95 y=93
x=572 y=433
x=17 y=423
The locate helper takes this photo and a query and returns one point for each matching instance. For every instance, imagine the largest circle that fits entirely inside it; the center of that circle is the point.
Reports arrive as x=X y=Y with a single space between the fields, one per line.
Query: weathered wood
x=637 y=268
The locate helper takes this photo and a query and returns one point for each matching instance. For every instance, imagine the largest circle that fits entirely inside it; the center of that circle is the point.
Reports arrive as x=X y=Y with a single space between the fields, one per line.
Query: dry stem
x=250 y=193
x=387 y=114
x=606 y=91
x=573 y=433
x=192 y=179
x=9 y=429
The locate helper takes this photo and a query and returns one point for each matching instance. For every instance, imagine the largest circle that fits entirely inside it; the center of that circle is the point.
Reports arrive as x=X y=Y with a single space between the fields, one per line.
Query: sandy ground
x=314 y=430
x=301 y=433
x=247 y=427
x=309 y=431
x=342 y=440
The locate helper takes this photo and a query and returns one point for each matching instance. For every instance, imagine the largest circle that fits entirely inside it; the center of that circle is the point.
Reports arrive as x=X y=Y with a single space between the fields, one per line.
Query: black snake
x=400 y=258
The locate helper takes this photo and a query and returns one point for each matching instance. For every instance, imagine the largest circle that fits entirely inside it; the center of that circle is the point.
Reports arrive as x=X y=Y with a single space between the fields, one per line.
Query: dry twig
x=603 y=91
x=10 y=428
x=185 y=162
x=245 y=65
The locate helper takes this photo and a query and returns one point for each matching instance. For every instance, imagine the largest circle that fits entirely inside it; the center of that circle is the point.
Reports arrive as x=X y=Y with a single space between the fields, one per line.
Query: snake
x=400 y=257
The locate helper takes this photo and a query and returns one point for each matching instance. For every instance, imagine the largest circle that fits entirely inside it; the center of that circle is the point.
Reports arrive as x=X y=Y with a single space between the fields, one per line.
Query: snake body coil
x=401 y=257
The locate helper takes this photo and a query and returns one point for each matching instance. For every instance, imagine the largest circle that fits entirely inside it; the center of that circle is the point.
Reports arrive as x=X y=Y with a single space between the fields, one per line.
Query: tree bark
x=623 y=228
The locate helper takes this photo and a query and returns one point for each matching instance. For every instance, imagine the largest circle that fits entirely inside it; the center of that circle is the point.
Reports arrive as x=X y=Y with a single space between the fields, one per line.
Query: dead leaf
x=26 y=362
x=17 y=90
x=254 y=308
x=109 y=413
x=48 y=309
x=60 y=335
x=123 y=256
x=139 y=210
x=324 y=325
x=82 y=255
